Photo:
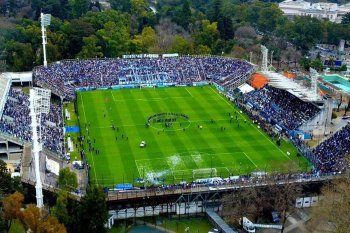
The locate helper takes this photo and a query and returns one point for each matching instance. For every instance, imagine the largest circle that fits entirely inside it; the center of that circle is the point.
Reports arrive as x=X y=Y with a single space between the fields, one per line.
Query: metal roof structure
x=280 y=81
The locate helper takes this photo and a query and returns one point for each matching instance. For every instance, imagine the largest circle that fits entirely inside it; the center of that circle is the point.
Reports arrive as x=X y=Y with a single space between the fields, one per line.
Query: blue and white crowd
x=281 y=107
x=331 y=154
x=65 y=77
x=16 y=121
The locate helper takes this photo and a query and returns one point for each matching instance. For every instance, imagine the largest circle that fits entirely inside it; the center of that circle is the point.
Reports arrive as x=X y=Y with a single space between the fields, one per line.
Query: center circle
x=168 y=121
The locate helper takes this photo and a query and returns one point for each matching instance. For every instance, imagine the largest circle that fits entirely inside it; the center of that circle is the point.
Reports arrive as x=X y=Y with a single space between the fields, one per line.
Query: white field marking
x=92 y=156
x=205 y=154
x=105 y=127
x=229 y=103
x=188 y=92
x=113 y=96
x=82 y=103
x=249 y=159
x=187 y=171
x=150 y=99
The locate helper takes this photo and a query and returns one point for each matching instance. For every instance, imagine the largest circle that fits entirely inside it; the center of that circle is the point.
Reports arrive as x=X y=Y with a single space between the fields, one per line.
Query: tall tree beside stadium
x=333 y=208
x=93 y=211
x=67 y=180
x=253 y=201
x=11 y=206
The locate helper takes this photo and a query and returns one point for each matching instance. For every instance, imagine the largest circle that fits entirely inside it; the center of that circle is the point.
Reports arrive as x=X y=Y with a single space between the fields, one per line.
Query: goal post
x=204 y=173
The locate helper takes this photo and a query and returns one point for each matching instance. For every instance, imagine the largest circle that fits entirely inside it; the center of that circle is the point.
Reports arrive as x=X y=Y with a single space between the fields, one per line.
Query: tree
x=52 y=225
x=282 y=198
x=207 y=34
x=67 y=180
x=166 y=31
x=242 y=203
x=60 y=210
x=115 y=38
x=93 y=211
x=5 y=179
x=73 y=32
x=203 y=49
x=186 y=15
x=333 y=208
x=346 y=18
x=148 y=37
x=31 y=217
x=90 y=49
x=39 y=221
x=340 y=101
x=19 y=56
x=80 y=7
x=253 y=201
x=347 y=108
x=182 y=46
x=12 y=205
x=305 y=63
x=317 y=64
x=121 y=5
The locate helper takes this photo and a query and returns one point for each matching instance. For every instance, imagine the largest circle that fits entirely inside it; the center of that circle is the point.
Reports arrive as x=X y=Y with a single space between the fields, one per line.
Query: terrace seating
x=65 y=77
x=330 y=154
x=280 y=107
x=16 y=121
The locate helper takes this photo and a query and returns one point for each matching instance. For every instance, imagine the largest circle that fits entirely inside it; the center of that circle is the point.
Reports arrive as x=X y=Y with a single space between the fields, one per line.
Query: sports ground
x=189 y=132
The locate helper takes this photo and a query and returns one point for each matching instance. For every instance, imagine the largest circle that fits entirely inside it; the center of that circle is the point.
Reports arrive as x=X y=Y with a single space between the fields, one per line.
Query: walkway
x=219 y=222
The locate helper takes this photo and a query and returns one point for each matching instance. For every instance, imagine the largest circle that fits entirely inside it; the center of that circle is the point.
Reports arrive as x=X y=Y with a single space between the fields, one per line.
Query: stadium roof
x=280 y=81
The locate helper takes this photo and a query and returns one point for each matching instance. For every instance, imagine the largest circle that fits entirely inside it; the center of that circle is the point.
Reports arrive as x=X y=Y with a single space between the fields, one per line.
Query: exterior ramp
x=219 y=222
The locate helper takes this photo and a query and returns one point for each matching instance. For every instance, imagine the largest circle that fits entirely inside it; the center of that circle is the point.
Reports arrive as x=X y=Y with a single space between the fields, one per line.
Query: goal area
x=204 y=173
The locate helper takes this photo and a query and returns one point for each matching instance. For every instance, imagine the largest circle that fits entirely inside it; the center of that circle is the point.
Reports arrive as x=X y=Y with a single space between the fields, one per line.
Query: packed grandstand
x=274 y=105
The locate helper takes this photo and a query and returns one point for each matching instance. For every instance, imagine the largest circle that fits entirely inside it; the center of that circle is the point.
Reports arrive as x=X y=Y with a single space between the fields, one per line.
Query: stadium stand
x=64 y=77
x=281 y=107
x=330 y=154
x=5 y=84
x=16 y=121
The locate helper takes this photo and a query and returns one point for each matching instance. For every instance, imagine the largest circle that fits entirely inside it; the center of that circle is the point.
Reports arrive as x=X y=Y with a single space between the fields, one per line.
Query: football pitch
x=188 y=133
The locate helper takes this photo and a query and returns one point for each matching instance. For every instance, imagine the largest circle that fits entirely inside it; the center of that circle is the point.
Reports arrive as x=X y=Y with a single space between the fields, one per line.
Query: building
x=320 y=10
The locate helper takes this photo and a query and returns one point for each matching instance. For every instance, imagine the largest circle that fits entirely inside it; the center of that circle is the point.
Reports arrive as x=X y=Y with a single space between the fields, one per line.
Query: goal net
x=204 y=173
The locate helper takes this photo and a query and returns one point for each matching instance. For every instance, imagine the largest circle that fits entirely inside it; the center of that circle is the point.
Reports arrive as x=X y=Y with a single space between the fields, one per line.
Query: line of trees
x=80 y=30
x=331 y=212
x=67 y=215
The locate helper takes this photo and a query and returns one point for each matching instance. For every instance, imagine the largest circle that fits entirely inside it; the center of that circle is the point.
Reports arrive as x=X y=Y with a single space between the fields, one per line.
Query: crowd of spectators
x=65 y=77
x=281 y=107
x=16 y=121
x=330 y=154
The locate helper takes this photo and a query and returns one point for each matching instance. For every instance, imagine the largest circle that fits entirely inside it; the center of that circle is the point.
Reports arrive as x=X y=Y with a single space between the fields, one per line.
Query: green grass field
x=194 y=146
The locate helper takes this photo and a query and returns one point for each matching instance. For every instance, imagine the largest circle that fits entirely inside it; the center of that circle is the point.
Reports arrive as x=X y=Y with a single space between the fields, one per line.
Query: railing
x=221 y=187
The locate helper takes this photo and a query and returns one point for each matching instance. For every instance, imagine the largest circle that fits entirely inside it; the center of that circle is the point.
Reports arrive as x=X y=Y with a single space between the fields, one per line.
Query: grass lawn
x=208 y=136
x=73 y=121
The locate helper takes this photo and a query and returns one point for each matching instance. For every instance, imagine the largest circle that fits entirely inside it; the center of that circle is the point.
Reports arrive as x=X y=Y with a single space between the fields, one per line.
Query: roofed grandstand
x=281 y=107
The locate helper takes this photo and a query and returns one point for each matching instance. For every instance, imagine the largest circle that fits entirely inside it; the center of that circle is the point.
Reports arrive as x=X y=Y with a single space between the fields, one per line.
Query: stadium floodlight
x=39 y=103
x=45 y=20
x=264 y=52
x=314 y=76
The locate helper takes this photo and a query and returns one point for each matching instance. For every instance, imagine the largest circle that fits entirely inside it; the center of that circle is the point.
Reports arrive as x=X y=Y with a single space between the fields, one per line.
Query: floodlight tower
x=39 y=103
x=45 y=20
x=264 y=52
x=313 y=76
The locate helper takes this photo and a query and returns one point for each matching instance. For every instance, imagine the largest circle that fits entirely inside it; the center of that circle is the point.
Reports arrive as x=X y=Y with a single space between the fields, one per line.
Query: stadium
x=148 y=120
